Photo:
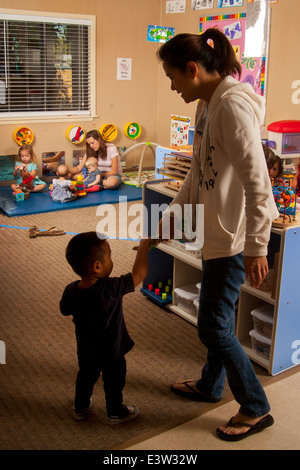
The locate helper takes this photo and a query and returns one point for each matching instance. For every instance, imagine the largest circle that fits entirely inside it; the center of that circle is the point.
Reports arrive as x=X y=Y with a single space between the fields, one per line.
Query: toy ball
x=132 y=130
x=23 y=136
x=109 y=132
x=75 y=134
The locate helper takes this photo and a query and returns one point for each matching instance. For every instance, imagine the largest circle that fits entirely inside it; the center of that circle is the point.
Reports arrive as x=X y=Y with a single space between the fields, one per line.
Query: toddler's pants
x=113 y=375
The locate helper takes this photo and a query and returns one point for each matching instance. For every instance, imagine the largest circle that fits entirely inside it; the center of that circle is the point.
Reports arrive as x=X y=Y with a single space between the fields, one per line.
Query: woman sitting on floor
x=108 y=157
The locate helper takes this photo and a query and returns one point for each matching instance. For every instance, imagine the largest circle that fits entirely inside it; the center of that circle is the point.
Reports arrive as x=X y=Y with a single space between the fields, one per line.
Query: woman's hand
x=166 y=227
x=256 y=269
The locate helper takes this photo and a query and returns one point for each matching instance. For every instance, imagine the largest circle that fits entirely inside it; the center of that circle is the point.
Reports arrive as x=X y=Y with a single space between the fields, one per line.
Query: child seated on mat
x=95 y=302
x=62 y=188
x=25 y=172
x=93 y=181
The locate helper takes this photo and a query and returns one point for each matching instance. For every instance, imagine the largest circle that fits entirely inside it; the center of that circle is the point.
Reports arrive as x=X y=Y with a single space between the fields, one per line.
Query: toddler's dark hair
x=271 y=159
x=83 y=250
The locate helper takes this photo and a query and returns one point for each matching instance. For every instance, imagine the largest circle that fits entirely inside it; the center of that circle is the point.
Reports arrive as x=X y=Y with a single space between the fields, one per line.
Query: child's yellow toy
x=23 y=136
x=79 y=186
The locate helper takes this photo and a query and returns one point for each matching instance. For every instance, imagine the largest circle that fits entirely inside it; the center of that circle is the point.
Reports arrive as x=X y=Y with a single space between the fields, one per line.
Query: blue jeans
x=220 y=289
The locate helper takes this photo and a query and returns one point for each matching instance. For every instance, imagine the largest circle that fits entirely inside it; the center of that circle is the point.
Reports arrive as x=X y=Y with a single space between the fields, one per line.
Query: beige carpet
x=37 y=381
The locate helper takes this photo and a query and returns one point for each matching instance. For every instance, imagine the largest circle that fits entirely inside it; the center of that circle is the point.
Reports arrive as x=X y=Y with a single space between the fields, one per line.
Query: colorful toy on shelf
x=286 y=138
x=109 y=132
x=75 y=134
x=159 y=292
x=285 y=199
x=23 y=136
x=79 y=186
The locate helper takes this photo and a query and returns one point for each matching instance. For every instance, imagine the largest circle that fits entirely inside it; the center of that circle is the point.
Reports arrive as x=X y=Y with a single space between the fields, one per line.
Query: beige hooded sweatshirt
x=236 y=191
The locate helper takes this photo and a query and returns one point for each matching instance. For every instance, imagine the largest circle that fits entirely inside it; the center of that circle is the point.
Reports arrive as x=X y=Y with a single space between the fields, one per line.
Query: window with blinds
x=44 y=66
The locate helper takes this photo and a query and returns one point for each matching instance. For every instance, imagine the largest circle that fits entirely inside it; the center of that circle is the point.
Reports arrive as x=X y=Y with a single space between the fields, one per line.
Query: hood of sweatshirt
x=230 y=86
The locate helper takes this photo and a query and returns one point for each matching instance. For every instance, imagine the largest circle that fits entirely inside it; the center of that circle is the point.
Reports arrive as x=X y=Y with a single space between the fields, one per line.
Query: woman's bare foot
x=181 y=385
x=188 y=389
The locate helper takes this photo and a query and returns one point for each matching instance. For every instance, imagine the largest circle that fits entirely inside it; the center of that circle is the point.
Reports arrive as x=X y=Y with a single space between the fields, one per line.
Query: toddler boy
x=95 y=302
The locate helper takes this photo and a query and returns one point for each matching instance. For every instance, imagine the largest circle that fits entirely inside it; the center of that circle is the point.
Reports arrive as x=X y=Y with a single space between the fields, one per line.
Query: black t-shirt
x=97 y=312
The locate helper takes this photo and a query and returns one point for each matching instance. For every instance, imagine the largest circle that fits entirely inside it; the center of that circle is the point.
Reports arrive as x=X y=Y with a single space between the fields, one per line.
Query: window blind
x=44 y=66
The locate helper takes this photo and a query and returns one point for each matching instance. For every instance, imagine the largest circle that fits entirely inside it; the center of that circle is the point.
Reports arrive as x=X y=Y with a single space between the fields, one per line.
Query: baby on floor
x=62 y=188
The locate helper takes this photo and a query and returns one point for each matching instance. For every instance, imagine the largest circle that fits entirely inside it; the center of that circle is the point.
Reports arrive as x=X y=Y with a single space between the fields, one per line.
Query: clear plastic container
x=260 y=344
x=263 y=318
x=185 y=297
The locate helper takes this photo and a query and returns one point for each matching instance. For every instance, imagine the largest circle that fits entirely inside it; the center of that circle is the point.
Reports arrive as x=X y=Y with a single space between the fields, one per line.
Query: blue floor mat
x=42 y=201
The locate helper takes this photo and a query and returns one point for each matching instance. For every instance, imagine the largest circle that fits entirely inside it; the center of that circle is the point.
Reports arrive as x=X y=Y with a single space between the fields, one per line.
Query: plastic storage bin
x=263 y=320
x=196 y=305
x=260 y=344
x=185 y=296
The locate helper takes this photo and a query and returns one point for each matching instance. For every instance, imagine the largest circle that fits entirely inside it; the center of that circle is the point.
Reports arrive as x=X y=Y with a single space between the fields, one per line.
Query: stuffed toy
x=27 y=181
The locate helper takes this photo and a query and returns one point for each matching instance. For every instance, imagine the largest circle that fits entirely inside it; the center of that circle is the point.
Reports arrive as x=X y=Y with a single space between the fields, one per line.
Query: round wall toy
x=75 y=134
x=109 y=132
x=132 y=130
x=23 y=136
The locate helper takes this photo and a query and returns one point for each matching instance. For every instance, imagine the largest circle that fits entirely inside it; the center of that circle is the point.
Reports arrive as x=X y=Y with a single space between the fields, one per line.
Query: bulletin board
x=234 y=27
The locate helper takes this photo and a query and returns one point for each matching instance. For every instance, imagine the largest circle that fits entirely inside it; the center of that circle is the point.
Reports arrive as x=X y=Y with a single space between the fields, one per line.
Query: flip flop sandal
x=253 y=428
x=33 y=231
x=50 y=232
x=193 y=394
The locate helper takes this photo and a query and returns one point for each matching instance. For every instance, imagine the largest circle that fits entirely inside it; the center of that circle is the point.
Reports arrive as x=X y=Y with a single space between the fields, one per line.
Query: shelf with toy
x=275 y=352
x=283 y=257
x=176 y=163
x=159 y=292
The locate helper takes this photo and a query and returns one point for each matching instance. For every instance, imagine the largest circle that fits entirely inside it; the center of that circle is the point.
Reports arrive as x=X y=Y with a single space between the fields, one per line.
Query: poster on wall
x=179 y=130
x=159 y=33
x=202 y=4
x=230 y=3
x=124 y=67
x=234 y=27
x=175 y=6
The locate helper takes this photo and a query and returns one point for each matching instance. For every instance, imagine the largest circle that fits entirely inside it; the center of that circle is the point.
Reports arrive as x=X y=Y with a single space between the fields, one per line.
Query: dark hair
x=83 y=250
x=102 y=148
x=185 y=47
x=271 y=159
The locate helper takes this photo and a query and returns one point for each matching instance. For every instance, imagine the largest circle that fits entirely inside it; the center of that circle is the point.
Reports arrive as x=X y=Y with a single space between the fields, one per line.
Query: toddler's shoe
x=81 y=415
x=128 y=413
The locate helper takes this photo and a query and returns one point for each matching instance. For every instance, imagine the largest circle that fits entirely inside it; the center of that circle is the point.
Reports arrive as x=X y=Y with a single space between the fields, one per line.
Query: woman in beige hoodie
x=229 y=176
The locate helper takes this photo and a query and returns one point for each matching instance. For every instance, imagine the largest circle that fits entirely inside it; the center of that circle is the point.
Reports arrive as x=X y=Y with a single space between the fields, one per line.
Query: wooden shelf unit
x=184 y=268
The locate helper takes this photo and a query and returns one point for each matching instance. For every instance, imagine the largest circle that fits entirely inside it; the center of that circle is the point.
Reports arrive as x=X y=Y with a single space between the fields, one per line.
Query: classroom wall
x=283 y=69
x=121 y=32
x=147 y=98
